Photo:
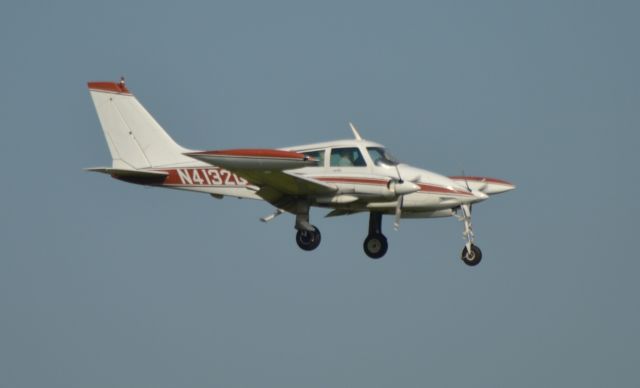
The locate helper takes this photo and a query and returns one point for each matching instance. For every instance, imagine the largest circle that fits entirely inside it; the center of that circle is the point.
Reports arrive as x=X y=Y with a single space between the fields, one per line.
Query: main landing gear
x=308 y=240
x=471 y=254
x=308 y=236
x=375 y=245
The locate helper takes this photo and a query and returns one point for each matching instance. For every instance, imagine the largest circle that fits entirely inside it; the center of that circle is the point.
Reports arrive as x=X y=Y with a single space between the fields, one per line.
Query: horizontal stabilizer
x=133 y=176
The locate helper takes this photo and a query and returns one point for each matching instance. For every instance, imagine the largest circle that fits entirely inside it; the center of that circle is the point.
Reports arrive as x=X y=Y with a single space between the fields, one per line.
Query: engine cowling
x=403 y=187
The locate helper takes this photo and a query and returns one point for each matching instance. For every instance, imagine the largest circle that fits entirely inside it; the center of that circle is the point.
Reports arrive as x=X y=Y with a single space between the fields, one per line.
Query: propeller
x=466 y=183
x=397 y=185
x=398 y=215
x=396 y=220
x=478 y=192
x=401 y=188
x=479 y=189
x=465 y=180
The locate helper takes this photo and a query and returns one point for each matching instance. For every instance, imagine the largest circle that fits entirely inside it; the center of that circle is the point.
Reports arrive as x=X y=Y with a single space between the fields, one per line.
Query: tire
x=472 y=259
x=375 y=245
x=307 y=240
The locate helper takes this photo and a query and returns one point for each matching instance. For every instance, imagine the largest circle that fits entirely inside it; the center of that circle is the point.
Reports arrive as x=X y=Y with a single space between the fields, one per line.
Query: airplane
x=345 y=176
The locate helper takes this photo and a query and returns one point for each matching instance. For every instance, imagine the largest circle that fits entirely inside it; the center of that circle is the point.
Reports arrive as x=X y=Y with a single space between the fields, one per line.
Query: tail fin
x=134 y=137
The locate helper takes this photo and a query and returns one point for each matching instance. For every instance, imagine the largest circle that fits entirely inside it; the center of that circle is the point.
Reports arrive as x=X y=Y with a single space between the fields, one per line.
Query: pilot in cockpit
x=345 y=158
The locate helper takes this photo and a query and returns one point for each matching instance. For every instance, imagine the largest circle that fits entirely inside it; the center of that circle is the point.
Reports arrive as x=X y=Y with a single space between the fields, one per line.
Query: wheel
x=472 y=258
x=375 y=245
x=308 y=240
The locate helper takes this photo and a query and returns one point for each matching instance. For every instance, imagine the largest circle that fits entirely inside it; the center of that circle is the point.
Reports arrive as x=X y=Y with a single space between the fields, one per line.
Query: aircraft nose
x=509 y=187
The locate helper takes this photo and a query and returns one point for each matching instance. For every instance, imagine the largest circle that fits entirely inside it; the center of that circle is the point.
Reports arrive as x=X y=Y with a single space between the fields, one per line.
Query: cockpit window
x=381 y=156
x=345 y=157
x=317 y=155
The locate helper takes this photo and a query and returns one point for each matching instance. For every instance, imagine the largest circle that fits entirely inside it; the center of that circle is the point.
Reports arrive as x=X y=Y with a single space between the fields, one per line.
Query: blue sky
x=105 y=284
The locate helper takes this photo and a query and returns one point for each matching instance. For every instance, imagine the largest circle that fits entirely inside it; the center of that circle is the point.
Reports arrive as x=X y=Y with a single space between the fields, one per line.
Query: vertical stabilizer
x=134 y=137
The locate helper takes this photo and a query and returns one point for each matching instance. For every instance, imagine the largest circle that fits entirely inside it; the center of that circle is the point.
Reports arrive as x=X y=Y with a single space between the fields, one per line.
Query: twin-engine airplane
x=347 y=176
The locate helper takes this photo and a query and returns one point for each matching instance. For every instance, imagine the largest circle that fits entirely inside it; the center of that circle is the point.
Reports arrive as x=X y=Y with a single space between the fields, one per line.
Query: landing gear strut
x=375 y=245
x=471 y=254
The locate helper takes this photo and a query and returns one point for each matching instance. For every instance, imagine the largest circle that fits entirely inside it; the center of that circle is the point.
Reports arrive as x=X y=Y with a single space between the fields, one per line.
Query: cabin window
x=317 y=155
x=381 y=157
x=347 y=157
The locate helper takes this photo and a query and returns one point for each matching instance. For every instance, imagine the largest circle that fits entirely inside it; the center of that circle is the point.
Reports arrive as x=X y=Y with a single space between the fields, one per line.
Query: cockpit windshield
x=382 y=157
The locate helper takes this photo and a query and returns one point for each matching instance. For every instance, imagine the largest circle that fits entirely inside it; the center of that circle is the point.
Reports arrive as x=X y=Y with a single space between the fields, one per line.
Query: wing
x=271 y=170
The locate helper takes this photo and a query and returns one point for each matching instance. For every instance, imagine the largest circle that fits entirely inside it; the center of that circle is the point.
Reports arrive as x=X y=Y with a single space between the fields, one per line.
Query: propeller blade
x=466 y=182
x=396 y=221
x=399 y=176
x=483 y=186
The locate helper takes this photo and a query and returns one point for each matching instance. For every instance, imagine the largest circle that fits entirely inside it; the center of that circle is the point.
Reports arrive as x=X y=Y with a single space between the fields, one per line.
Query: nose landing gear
x=471 y=254
x=471 y=257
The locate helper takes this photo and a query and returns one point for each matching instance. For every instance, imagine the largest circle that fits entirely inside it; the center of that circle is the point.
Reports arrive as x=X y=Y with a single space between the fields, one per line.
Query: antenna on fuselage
x=355 y=131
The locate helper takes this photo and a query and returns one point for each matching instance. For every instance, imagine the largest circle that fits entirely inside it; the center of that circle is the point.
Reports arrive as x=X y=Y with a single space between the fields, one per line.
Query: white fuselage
x=365 y=186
